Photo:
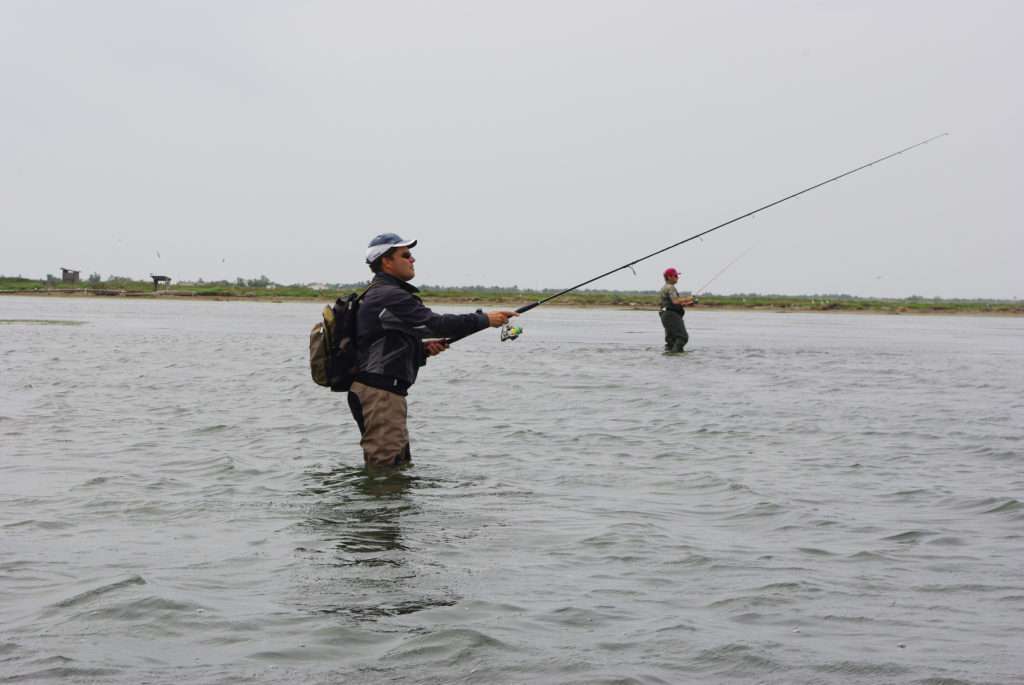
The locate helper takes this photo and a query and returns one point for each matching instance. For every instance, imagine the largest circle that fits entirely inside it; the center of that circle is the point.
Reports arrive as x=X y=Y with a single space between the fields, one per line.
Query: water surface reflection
x=364 y=568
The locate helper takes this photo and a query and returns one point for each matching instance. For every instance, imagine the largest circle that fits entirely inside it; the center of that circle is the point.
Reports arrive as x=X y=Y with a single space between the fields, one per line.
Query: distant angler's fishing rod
x=630 y=265
x=703 y=288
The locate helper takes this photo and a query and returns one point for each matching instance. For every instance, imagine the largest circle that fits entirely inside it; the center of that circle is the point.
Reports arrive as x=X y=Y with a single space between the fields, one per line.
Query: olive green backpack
x=333 y=360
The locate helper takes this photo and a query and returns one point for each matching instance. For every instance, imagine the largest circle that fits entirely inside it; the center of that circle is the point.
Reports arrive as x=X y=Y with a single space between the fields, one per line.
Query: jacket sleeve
x=428 y=324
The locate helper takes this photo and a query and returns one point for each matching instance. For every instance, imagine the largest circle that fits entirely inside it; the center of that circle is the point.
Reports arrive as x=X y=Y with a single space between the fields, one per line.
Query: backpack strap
x=359 y=298
x=363 y=294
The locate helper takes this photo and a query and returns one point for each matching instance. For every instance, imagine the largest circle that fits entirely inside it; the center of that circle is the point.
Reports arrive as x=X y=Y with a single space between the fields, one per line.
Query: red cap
x=671 y=273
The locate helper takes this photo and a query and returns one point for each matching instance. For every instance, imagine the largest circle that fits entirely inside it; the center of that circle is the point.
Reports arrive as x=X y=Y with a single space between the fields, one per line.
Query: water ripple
x=801 y=499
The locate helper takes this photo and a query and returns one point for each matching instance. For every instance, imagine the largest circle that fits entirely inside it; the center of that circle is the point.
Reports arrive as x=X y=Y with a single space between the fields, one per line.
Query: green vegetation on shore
x=262 y=288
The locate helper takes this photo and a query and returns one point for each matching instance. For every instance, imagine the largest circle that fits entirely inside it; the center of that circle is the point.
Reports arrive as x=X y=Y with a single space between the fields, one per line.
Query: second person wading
x=672 y=312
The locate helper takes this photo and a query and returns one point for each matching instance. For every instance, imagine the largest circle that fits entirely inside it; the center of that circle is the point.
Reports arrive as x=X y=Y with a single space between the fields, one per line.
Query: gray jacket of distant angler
x=392 y=324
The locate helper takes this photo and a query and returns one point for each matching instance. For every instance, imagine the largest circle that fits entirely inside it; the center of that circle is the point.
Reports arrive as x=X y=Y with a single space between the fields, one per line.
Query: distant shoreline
x=768 y=303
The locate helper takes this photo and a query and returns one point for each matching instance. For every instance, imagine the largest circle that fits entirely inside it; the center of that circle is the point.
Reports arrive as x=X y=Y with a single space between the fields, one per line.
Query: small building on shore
x=69 y=275
x=157 y=280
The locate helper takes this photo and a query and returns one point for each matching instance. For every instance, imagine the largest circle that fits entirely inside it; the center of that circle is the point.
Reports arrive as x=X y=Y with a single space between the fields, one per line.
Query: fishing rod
x=722 y=271
x=630 y=265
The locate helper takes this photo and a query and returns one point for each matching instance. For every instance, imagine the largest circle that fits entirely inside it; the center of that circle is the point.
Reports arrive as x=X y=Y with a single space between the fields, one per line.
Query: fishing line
x=631 y=264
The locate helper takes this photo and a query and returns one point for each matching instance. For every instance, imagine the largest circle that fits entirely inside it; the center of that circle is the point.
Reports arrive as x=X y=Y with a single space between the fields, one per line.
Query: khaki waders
x=381 y=417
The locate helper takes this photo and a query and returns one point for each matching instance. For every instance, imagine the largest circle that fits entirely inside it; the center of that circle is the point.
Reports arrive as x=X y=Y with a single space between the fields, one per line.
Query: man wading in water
x=393 y=331
x=672 y=312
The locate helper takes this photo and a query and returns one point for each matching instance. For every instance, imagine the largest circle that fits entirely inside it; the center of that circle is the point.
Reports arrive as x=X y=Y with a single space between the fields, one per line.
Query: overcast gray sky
x=529 y=143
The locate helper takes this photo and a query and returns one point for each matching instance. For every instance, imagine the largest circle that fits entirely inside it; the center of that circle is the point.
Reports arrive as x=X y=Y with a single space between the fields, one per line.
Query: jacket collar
x=388 y=279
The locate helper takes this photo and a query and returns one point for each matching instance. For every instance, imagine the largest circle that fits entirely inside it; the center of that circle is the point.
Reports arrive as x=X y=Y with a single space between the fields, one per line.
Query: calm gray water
x=803 y=498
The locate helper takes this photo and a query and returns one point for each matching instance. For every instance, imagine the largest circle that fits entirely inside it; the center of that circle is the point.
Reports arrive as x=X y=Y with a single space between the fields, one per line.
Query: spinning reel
x=510 y=332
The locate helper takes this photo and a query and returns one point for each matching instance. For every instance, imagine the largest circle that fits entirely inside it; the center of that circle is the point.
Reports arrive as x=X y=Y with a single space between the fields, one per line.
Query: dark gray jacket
x=392 y=324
